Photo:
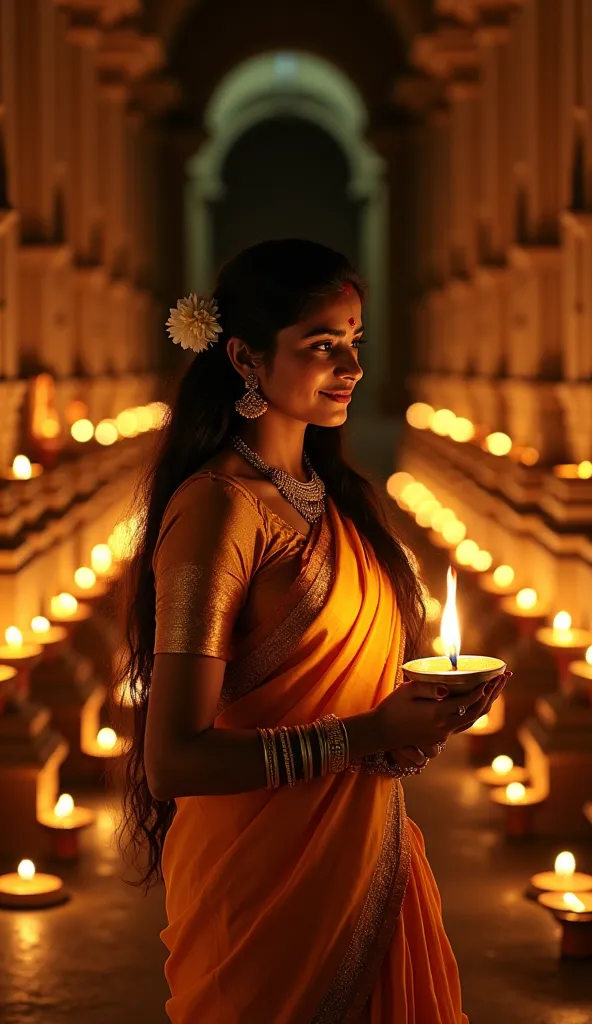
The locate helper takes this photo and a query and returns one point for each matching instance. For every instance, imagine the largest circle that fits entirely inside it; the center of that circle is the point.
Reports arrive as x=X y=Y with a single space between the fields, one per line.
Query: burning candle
x=500 y=582
x=107 y=744
x=101 y=559
x=461 y=672
x=518 y=802
x=16 y=652
x=563 y=877
x=64 y=824
x=562 y=634
x=65 y=609
x=88 y=587
x=580 y=674
x=501 y=770
x=25 y=889
x=42 y=632
x=574 y=913
x=22 y=469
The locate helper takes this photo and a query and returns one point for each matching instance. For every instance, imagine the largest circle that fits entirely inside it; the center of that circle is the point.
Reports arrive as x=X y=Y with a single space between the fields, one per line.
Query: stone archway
x=298 y=85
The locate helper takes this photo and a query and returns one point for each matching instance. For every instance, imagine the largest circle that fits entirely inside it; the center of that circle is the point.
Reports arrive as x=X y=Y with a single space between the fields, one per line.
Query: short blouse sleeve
x=211 y=541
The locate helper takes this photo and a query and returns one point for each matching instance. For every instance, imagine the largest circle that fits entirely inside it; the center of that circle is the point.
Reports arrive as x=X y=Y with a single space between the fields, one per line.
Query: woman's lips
x=336 y=396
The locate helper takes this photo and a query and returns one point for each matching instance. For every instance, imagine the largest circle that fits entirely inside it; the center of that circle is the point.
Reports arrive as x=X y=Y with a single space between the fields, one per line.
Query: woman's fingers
x=466 y=723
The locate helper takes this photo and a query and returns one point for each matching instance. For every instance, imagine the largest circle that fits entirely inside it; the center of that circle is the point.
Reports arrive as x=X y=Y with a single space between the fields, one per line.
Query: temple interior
x=445 y=146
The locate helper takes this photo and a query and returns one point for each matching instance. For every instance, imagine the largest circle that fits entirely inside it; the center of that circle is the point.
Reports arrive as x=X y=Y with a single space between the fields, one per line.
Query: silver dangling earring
x=252 y=404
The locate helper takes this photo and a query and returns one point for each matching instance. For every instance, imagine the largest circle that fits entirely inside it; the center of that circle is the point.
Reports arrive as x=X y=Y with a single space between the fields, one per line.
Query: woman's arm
x=185 y=755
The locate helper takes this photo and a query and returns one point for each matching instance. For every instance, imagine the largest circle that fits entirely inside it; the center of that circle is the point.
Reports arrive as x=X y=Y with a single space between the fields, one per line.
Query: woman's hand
x=423 y=715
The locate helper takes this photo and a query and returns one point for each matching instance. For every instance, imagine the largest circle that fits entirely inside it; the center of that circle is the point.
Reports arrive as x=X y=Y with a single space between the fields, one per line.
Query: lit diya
x=563 y=878
x=63 y=826
x=461 y=673
x=25 y=889
x=574 y=914
x=501 y=771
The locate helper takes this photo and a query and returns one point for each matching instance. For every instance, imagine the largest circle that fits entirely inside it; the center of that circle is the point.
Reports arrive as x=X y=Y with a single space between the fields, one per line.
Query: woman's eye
x=326 y=346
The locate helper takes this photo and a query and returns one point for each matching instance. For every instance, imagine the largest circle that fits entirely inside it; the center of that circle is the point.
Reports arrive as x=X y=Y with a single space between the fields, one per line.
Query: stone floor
x=99 y=960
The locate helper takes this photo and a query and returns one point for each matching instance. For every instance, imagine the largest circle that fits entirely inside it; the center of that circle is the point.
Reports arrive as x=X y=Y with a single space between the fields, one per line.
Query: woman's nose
x=349 y=368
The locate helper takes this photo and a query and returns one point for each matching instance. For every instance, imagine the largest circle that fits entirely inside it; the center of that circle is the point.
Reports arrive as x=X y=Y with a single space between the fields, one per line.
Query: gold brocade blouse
x=222 y=563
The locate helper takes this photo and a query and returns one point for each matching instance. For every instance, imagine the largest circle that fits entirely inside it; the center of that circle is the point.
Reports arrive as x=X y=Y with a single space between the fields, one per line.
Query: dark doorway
x=285 y=178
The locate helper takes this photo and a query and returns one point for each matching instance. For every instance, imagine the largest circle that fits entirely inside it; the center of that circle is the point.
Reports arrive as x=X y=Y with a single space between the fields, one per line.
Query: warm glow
x=443 y=421
x=588 y=655
x=562 y=621
x=413 y=494
x=504 y=576
x=82 y=430
x=107 y=738
x=482 y=561
x=571 y=900
x=433 y=608
x=124 y=538
x=453 y=531
x=498 y=443
x=585 y=470
x=565 y=864
x=438 y=645
x=480 y=724
x=450 y=630
x=21 y=467
x=63 y=604
x=502 y=764
x=144 y=417
x=396 y=483
x=39 y=624
x=425 y=511
x=106 y=432
x=462 y=430
x=84 y=578
x=127 y=423
x=160 y=414
x=440 y=518
x=123 y=694
x=64 y=806
x=466 y=552
x=13 y=637
x=75 y=410
x=529 y=456
x=50 y=427
x=101 y=559
x=515 y=792
x=526 y=599
x=420 y=415
x=26 y=870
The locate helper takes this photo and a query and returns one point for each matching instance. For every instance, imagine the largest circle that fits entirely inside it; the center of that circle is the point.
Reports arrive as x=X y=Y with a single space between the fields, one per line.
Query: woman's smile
x=338 y=396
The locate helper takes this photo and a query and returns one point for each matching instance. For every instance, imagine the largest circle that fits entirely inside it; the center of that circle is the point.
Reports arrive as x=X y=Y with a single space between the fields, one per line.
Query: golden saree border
x=306 y=597
x=357 y=973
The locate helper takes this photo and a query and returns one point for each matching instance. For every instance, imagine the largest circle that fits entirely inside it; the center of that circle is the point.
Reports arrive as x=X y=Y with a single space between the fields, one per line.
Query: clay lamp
x=65 y=611
x=518 y=802
x=51 y=638
x=564 y=643
x=86 y=585
x=564 y=878
x=501 y=771
x=574 y=914
x=20 y=655
x=579 y=676
x=63 y=826
x=526 y=609
x=22 y=469
x=106 y=744
x=25 y=889
x=499 y=583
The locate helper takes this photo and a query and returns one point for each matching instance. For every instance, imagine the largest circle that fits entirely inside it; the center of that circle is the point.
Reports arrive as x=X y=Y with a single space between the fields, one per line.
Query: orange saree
x=311 y=904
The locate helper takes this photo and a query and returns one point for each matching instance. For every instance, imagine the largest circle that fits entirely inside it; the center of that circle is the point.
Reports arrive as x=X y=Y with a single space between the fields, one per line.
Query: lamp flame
x=571 y=900
x=565 y=864
x=450 y=630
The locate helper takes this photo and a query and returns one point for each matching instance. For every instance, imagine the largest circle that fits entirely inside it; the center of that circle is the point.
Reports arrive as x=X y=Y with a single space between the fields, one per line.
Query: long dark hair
x=262 y=290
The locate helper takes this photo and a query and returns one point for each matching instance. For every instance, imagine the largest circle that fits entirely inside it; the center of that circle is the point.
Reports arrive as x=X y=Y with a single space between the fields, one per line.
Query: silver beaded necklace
x=307 y=498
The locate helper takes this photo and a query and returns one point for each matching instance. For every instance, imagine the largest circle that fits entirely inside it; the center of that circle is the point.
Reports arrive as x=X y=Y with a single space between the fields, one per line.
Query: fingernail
x=509 y=674
x=441 y=691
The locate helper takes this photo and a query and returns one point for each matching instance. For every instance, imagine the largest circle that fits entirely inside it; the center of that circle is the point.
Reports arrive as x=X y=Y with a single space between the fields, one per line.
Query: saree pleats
x=282 y=906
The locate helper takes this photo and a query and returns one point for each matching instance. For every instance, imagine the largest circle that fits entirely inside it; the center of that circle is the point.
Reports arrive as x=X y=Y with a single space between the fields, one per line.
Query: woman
x=270 y=615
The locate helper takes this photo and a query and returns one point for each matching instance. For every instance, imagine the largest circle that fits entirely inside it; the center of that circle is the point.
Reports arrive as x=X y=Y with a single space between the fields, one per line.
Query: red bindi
x=347 y=289
x=351 y=322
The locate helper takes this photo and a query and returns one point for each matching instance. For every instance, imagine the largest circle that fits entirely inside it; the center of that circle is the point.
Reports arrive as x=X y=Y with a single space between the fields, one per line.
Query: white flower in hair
x=194 y=323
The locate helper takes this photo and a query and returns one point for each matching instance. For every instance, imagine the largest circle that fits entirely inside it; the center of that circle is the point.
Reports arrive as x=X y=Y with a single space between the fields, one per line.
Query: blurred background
x=446 y=147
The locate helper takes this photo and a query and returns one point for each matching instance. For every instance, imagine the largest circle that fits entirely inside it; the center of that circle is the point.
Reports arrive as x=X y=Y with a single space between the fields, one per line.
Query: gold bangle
x=289 y=776
x=346 y=738
x=335 y=743
x=274 y=749
x=266 y=756
x=291 y=753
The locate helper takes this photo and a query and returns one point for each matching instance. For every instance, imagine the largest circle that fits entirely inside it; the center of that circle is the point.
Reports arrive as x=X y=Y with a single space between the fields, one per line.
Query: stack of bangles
x=299 y=753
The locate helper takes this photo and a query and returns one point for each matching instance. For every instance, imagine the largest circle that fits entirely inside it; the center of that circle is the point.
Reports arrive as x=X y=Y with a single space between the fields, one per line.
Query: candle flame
x=26 y=869
x=13 y=637
x=589 y=655
x=101 y=559
x=515 y=792
x=562 y=621
x=526 y=599
x=571 y=900
x=21 y=467
x=502 y=764
x=39 y=624
x=63 y=604
x=64 y=806
x=450 y=630
x=107 y=738
x=84 y=578
x=565 y=864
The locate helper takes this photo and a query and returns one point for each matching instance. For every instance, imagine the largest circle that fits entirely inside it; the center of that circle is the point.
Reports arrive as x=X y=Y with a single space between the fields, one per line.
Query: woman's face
x=315 y=367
